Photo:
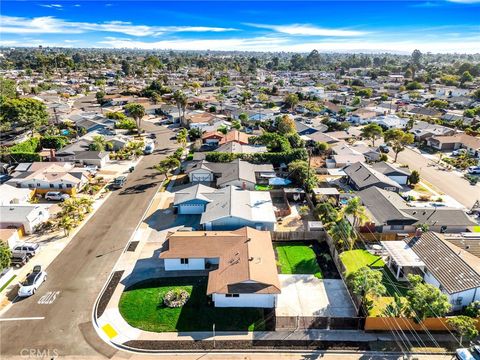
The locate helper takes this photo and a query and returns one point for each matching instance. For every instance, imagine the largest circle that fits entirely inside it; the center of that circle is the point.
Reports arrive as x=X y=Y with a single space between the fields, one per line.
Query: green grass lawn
x=263 y=187
x=297 y=258
x=142 y=307
x=355 y=259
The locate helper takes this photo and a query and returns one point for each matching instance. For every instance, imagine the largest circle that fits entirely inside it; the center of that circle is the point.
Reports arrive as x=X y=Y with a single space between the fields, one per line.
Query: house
x=238 y=172
x=362 y=176
x=26 y=217
x=457 y=141
x=12 y=195
x=454 y=271
x=397 y=174
x=216 y=138
x=193 y=199
x=10 y=237
x=85 y=157
x=232 y=208
x=424 y=111
x=212 y=138
x=49 y=176
x=390 y=121
x=234 y=147
x=242 y=263
x=199 y=119
x=362 y=116
x=371 y=154
x=423 y=130
x=389 y=212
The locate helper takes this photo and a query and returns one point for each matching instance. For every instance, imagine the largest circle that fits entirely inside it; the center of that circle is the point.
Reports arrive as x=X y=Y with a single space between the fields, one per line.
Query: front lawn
x=297 y=258
x=263 y=187
x=142 y=307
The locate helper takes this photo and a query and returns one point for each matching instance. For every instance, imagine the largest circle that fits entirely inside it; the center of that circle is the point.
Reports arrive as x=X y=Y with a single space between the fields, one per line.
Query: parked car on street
x=472 y=353
x=149 y=148
x=119 y=182
x=31 y=249
x=56 y=196
x=32 y=282
x=474 y=170
x=18 y=259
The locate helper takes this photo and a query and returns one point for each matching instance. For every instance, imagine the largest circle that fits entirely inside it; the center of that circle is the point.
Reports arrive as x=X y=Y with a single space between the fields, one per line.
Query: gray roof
x=386 y=207
x=453 y=273
x=364 y=176
x=194 y=192
x=253 y=206
x=237 y=148
x=390 y=170
x=90 y=155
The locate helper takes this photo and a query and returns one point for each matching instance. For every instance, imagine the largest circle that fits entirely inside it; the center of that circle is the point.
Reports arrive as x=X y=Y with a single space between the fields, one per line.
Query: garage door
x=191 y=209
x=200 y=177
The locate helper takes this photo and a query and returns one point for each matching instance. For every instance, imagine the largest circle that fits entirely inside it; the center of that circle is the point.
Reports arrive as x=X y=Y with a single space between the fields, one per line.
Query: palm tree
x=137 y=111
x=182 y=137
x=355 y=209
x=100 y=144
x=67 y=224
x=181 y=101
x=343 y=234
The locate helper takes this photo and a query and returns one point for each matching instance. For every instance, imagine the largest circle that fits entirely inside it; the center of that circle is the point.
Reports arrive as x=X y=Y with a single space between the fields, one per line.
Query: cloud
x=53 y=25
x=52 y=6
x=308 y=30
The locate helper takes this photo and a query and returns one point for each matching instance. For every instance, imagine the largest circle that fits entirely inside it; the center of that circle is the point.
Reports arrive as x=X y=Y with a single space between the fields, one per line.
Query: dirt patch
x=108 y=292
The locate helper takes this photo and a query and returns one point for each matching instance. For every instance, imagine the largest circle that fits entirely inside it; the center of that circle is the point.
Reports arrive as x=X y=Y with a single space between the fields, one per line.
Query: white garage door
x=191 y=209
x=200 y=177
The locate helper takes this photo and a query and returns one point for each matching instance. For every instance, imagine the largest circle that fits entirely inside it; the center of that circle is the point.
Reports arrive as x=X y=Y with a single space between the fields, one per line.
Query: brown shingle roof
x=247 y=260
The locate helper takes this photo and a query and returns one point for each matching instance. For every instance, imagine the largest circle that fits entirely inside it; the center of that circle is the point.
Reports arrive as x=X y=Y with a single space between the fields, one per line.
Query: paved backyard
x=306 y=295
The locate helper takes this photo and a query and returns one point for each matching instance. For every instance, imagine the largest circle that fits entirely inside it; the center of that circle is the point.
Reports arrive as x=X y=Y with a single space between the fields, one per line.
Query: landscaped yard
x=142 y=307
x=297 y=258
x=263 y=187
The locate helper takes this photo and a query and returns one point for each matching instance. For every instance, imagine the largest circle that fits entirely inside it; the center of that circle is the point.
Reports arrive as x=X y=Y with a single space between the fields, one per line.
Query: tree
x=473 y=309
x=182 y=137
x=466 y=77
x=100 y=95
x=67 y=224
x=414 y=177
x=167 y=165
x=291 y=100
x=366 y=282
x=126 y=124
x=426 y=300
x=465 y=327
x=438 y=104
x=5 y=256
x=413 y=85
x=137 y=111
x=355 y=208
x=364 y=92
x=7 y=88
x=398 y=140
x=342 y=233
x=181 y=100
x=326 y=213
x=28 y=113
x=286 y=125
x=476 y=94
x=372 y=132
x=194 y=133
x=415 y=61
x=302 y=175
x=100 y=144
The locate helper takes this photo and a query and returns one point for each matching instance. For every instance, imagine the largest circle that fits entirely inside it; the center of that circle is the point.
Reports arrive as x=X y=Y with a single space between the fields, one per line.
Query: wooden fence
x=405 y=324
x=374 y=237
x=297 y=235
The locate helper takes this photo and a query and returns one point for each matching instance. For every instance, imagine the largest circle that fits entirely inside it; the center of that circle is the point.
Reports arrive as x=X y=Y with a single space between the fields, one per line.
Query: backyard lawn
x=142 y=307
x=297 y=258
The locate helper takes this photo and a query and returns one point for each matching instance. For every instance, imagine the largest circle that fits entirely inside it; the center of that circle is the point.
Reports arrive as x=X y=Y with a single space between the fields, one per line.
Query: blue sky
x=395 y=26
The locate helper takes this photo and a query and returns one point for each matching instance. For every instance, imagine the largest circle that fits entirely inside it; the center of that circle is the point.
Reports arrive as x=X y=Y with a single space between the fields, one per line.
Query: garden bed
x=142 y=307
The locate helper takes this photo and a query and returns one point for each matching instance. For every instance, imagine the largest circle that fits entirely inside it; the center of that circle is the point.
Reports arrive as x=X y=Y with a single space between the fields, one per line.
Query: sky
x=438 y=26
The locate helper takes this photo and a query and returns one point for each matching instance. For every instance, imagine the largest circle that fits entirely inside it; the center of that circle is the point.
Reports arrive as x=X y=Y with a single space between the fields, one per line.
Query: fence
x=318 y=322
x=368 y=236
x=405 y=324
x=297 y=235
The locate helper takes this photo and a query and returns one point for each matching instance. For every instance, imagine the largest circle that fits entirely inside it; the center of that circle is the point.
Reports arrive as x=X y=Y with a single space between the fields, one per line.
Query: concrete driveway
x=306 y=295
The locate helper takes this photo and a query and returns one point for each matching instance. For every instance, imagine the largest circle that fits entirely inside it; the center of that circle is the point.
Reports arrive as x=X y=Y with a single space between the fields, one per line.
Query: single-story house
x=362 y=176
x=234 y=147
x=242 y=263
x=397 y=174
x=12 y=195
x=10 y=237
x=27 y=217
x=389 y=212
x=238 y=172
x=232 y=208
x=390 y=121
x=87 y=157
x=423 y=130
x=454 y=271
x=457 y=141
x=193 y=199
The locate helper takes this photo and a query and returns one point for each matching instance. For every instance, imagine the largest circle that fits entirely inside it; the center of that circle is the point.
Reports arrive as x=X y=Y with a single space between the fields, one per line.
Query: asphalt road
x=78 y=273
x=446 y=181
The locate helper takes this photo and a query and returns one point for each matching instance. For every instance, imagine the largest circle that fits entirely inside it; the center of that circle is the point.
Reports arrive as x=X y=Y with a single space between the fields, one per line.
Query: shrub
x=53 y=142
x=28 y=146
x=176 y=298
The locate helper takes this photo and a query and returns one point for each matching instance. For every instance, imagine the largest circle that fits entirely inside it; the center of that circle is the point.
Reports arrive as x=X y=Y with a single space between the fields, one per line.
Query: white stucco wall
x=193 y=264
x=245 y=300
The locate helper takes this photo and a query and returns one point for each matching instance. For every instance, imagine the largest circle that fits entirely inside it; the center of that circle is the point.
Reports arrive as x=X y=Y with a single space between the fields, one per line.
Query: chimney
x=244 y=185
x=418 y=233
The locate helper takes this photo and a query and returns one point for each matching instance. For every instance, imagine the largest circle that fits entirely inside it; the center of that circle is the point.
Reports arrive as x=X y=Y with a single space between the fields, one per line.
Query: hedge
x=53 y=142
x=28 y=146
x=274 y=158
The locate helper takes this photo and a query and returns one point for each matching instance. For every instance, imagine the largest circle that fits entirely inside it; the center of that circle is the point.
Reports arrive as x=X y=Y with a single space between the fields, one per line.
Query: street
x=448 y=182
x=56 y=320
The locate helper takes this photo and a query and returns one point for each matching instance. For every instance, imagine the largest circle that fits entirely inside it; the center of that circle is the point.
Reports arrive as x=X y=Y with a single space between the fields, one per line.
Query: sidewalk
x=53 y=243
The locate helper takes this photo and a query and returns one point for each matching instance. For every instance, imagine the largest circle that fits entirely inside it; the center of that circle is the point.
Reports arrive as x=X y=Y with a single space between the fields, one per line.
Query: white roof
x=402 y=254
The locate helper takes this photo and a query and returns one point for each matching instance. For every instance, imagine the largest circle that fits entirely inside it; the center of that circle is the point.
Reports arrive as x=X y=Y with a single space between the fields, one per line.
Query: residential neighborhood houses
x=269 y=196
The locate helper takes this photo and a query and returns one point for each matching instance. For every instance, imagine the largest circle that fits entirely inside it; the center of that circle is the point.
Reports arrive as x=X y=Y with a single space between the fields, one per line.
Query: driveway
x=448 y=182
x=306 y=295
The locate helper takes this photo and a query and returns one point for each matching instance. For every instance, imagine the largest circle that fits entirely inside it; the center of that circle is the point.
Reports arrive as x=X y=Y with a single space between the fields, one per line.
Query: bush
x=126 y=124
x=53 y=142
x=176 y=298
x=29 y=146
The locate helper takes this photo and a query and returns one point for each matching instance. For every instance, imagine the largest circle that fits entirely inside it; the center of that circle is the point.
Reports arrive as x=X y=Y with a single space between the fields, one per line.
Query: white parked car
x=56 y=196
x=459 y=152
x=32 y=282
x=474 y=170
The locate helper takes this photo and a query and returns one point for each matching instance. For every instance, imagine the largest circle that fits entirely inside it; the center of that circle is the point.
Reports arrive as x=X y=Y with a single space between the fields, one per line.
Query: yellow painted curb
x=109 y=330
